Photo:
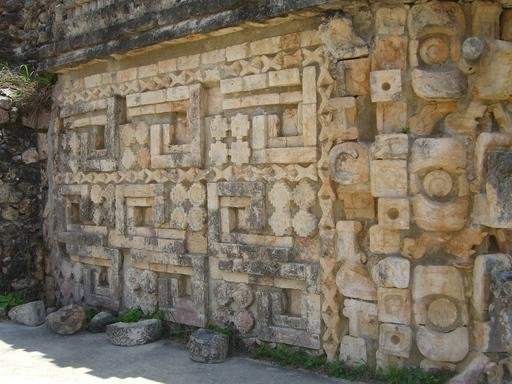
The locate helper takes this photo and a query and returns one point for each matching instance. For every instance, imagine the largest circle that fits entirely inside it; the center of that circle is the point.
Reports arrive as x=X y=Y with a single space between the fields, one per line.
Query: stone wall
x=334 y=179
x=22 y=196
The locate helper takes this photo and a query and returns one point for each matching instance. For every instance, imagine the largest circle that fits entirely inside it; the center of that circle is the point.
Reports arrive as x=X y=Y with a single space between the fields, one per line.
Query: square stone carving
x=141 y=214
x=183 y=297
x=101 y=269
x=286 y=132
x=96 y=125
x=386 y=85
x=288 y=316
x=179 y=142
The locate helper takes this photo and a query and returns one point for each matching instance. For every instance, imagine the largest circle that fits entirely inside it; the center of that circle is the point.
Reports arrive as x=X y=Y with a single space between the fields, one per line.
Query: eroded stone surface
x=130 y=334
x=31 y=314
x=67 y=320
x=208 y=347
x=271 y=182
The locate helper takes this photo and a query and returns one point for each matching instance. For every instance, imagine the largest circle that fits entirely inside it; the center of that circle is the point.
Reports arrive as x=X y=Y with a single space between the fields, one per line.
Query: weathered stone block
x=67 y=320
x=207 y=346
x=31 y=314
x=130 y=334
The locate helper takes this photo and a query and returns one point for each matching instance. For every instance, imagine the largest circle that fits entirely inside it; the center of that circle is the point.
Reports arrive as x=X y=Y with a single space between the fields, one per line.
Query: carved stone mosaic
x=340 y=186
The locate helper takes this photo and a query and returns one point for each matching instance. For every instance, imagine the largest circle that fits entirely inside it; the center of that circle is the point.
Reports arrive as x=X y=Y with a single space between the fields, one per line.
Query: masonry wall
x=22 y=199
x=337 y=181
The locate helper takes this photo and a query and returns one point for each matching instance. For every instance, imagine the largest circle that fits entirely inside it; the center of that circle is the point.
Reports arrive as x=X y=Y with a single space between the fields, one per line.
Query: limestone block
x=207 y=346
x=498 y=188
x=506 y=25
x=483 y=268
x=349 y=164
x=383 y=240
x=284 y=78
x=438 y=179
x=386 y=85
x=447 y=15
x=266 y=46
x=393 y=213
x=352 y=279
x=473 y=372
x=391 y=146
x=392 y=272
x=391 y=116
x=443 y=346
x=424 y=122
x=353 y=77
x=357 y=205
x=430 y=85
x=388 y=178
x=485 y=21
x=31 y=314
x=130 y=334
x=237 y=52
x=353 y=351
x=340 y=40
x=390 y=21
x=394 y=305
x=67 y=320
x=437 y=366
x=100 y=321
x=390 y=52
x=395 y=339
x=438 y=297
x=362 y=318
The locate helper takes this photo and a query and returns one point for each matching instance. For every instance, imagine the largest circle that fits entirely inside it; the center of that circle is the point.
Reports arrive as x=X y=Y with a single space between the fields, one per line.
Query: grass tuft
x=287 y=356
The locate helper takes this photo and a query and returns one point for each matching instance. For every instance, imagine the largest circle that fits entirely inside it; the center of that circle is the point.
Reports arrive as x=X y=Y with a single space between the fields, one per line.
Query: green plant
x=287 y=356
x=29 y=89
x=9 y=300
x=229 y=332
x=406 y=130
x=90 y=313
x=412 y=376
x=131 y=315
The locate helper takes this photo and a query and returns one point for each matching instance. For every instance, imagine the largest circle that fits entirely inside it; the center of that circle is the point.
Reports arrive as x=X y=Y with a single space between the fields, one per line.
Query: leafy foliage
x=9 y=300
x=287 y=356
x=133 y=315
x=229 y=332
x=28 y=87
x=90 y=313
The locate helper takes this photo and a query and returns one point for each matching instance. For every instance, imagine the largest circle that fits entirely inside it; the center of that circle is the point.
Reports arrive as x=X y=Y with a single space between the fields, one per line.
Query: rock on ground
x=67 y=320
x=129 y=334
x=100 y=321
x=206 y=346
x=31 y=314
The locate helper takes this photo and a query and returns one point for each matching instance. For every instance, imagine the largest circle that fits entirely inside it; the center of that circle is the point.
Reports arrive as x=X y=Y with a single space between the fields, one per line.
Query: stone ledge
x=154 y=27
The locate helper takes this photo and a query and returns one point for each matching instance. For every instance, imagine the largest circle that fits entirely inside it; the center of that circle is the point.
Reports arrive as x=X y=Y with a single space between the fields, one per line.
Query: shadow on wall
x=89 y=358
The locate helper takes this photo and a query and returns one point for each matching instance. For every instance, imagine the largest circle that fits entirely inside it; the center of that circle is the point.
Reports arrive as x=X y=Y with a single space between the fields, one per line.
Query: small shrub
x=9 y=300
x=229 y=332
x=131 y=315
x=90 y=313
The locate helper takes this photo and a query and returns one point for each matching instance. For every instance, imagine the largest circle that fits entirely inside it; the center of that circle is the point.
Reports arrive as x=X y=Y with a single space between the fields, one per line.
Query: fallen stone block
x=129 y=334
x=206 y=346
x=67 y=320
x=100 y=321
x=31 y=314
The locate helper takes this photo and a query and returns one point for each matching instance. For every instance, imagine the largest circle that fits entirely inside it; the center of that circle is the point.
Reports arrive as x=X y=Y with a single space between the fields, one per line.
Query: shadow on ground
x=36 y=355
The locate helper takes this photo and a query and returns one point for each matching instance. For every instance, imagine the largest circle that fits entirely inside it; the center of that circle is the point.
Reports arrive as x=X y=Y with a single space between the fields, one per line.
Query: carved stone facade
x=324 y=180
